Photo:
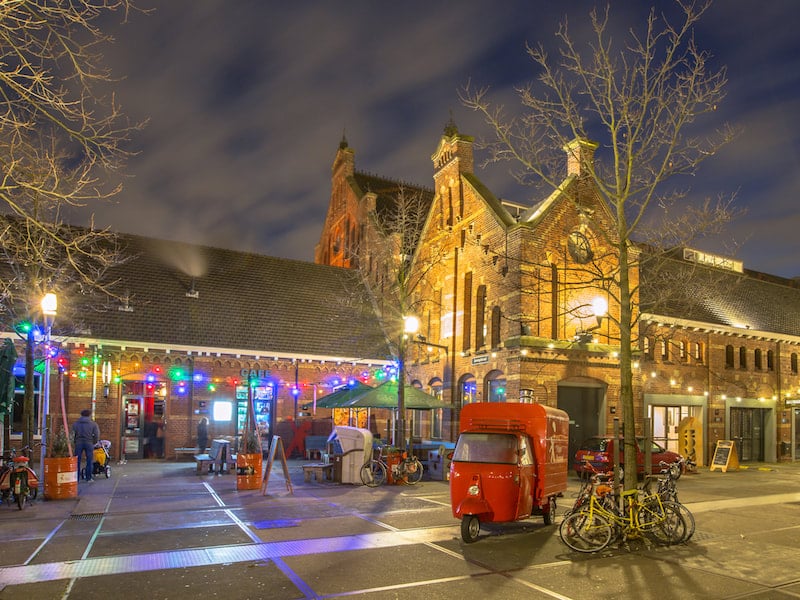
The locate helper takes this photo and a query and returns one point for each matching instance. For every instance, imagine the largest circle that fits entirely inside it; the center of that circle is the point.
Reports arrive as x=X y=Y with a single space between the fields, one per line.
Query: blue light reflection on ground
x=93 y=567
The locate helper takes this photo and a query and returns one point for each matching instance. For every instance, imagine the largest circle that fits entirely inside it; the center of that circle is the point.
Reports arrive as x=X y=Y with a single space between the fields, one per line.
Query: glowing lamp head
x=599 y=307
x=410 y=324
x=50 y=304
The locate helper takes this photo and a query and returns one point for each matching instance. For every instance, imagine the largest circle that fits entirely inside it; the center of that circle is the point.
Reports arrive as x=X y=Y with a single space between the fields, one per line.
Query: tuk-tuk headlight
x=473 y=490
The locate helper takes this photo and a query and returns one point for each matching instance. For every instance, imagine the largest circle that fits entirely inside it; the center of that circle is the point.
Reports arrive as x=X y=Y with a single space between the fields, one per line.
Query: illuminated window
x=222 y=410
x=497 y=390
x=698 y=352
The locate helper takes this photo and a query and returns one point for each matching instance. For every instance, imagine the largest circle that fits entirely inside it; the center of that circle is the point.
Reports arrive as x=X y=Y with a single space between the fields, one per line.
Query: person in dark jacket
x=86 y=434
x=202 y=435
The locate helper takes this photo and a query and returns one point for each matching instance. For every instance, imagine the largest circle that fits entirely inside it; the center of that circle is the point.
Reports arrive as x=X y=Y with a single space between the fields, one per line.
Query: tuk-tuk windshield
x=487 y=448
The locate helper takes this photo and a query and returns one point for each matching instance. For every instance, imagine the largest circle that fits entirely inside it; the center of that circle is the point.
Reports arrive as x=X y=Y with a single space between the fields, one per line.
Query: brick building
x=510 y=313
x=196 y=325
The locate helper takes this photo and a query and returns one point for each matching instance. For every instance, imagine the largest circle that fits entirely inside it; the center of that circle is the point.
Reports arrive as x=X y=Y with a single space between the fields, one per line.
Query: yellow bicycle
x=595 y=526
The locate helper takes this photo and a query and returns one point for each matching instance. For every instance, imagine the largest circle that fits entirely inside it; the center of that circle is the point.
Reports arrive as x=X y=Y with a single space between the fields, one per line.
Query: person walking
x=86 y=434
x=202 y=435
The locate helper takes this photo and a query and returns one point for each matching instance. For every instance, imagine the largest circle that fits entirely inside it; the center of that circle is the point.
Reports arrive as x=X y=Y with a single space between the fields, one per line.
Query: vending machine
x=132 y=426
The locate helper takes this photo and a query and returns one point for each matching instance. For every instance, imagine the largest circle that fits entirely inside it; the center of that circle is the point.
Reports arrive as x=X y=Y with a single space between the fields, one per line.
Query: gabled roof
x=265 y=305
x=748 y=301
x=386 y=190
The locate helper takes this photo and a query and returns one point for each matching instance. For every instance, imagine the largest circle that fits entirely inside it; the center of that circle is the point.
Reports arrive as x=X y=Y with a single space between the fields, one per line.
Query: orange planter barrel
x=61 y=478
x=248 y=471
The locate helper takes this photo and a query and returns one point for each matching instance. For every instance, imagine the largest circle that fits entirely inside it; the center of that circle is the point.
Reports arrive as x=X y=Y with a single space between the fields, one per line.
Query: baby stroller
x=102 y=458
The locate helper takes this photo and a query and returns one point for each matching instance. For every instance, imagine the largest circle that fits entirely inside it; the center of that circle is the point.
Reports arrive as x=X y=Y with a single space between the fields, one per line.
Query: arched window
x=436 y=390
x=496 y=314
x=467 y=390
x=466 y=328
x=647 y=348
x=757 y=360
x=770 y=360
x=496 y=387
x=728 y=356
x=665 y=350
x=682 y=350
x=794 y=363
x=742 y=357
x=480 y=312
x=698 y=352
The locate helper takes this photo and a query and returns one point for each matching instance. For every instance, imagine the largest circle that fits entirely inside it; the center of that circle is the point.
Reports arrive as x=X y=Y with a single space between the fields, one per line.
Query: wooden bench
x=184 y=452
x=320 y=471
x=315 y=445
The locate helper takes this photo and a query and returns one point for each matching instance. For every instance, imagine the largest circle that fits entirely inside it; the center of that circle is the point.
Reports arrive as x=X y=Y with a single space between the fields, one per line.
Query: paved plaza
x=158 y=530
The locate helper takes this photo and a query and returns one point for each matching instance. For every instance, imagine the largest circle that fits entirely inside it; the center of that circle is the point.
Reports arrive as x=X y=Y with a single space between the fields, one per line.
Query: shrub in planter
x=60 y=470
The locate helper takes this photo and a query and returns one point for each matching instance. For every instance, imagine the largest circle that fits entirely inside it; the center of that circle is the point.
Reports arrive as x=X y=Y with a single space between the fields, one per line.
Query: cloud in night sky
x=247 y=102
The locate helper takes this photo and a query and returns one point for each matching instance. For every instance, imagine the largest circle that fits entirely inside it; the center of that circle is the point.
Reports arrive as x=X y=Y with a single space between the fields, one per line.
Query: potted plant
x=60 y=469
x=248 y=462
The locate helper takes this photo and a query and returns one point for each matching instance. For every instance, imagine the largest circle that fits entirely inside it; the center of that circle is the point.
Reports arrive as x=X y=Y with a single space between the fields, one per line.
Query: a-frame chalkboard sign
x=276 y=449
x=724 y=456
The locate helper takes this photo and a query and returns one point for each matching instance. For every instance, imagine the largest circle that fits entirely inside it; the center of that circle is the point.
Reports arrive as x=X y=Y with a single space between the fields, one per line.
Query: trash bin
x=392 y=458
x=356 y=446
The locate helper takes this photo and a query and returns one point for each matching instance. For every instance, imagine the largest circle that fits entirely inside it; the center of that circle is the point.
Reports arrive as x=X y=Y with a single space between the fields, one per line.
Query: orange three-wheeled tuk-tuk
x=510 y=462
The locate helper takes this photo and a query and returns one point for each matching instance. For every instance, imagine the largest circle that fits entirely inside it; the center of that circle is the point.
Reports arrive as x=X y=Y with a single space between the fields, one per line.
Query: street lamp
x=410 y=328
x=49 y=310
x=600 y=311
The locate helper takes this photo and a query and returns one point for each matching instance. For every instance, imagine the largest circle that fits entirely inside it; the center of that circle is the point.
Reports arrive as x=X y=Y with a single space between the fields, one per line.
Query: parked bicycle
x=599 y=483
x=18 y=481
x=375 y=471
x=667 y=490
x=642 y=515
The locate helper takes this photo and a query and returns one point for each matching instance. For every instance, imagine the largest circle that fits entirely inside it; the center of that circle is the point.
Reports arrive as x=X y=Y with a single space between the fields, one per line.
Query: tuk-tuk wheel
x=108 y=471
x=470 y=528
x=549 y=514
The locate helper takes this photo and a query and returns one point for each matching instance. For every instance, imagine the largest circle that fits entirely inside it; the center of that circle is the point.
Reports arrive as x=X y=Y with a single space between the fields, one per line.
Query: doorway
x=143 y=410
x=585 y=407
x=747 y=430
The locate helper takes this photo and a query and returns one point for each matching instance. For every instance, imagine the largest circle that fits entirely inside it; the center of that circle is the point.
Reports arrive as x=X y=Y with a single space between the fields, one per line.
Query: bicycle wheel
x=688 y=519
x=585 y=532
x=21 y=499
x=373 y=473
x=413 y=470
x=671 y=529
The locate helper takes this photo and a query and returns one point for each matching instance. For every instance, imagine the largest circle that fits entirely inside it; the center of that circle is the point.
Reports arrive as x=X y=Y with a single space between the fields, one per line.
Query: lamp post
x=410 y=328
x=49 y=309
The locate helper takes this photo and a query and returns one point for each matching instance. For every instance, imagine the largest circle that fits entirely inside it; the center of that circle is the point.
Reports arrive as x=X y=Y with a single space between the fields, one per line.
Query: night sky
x=247 y=101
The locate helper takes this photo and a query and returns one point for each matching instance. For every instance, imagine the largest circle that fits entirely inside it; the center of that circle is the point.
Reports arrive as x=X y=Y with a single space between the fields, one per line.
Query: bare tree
x=61 y=135
x=643 y=101
x=395 y=275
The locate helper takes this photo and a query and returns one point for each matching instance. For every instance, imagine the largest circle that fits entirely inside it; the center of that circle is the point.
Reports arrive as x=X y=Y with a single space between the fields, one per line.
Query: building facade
x=517 y=309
